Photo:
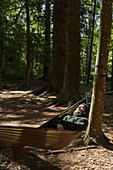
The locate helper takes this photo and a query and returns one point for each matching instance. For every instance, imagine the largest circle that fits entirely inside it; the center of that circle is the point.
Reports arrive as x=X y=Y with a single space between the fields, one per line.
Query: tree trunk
x=94 y=128
x=91 y=44
x=59 y=43
x=112 y=72
x=1 y=40
x=29 y=46
x=72 y=69
x=47 y=60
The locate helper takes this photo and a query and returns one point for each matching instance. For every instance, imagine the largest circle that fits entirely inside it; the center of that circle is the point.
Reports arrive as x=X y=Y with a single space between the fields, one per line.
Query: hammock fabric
x=17 y=137
x=43 y=137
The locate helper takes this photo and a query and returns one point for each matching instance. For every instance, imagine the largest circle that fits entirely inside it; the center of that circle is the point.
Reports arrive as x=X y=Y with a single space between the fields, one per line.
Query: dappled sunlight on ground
x=23 y=108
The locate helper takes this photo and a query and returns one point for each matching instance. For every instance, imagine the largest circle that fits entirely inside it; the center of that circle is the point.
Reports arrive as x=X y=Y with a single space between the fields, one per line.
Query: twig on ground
x=71 y=150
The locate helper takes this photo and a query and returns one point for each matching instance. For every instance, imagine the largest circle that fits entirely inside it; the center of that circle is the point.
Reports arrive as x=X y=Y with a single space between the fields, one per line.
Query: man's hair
x=86 y=108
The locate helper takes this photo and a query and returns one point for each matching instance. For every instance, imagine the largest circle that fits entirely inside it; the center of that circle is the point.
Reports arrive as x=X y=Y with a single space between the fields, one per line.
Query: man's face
x=81 y=108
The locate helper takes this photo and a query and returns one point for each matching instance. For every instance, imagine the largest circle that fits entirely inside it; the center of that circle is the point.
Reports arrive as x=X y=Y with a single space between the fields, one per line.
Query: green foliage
x=13 y=30
x=15 y=41
x=87 y=8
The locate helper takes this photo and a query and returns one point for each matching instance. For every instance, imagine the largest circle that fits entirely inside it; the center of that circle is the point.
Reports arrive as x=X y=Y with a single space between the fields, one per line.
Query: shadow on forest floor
x=22 y=108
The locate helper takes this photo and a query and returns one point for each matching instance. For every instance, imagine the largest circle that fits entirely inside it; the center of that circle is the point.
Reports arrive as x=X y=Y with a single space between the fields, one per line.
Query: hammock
x=17 y=137
x=68 y=111
x=43 y=137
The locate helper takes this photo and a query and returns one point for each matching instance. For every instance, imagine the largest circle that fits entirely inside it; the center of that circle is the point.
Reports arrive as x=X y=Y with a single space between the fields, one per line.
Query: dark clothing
x=77 y=122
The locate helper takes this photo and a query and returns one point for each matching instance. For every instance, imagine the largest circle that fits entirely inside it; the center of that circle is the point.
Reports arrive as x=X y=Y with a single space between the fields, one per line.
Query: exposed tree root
x=39 y=91
x=100 y=139
x=104 y=141
x=52 y=102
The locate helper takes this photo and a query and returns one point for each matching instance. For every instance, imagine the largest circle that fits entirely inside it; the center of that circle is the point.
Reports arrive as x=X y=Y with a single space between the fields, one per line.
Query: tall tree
x=72 y=68
x=1 y=38
x=59 y=43
x=91 y=44
x=94 y=128
x=29 y=45
x=112 y=72
x=46 y=74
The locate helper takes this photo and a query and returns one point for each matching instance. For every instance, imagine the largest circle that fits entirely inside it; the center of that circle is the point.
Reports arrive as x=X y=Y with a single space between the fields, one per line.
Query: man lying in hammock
x=78 y=120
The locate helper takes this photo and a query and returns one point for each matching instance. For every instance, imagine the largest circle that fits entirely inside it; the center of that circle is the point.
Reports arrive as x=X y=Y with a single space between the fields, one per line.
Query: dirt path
x=22 y=108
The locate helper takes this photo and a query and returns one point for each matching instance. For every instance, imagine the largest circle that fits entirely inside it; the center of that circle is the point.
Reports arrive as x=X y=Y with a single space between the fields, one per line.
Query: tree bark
x=59 y=43
x=112 y=72
x=47 y=59
x=70 y=92
x=1 y=40
x=91 y=44
x=94 y=128
x=29 y=46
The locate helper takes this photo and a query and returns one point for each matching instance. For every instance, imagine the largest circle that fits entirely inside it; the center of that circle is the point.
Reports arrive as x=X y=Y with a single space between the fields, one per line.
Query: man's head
x=82 y=108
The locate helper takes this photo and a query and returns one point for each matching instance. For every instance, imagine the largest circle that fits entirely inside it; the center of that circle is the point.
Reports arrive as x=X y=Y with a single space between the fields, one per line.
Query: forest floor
x=19 y=107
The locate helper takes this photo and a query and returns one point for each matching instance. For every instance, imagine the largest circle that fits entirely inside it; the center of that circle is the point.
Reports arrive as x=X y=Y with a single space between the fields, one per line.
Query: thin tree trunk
x=47 y=59
x=112 y=72
x=1 y=40
x=91 y=44
x=29 y=46
x=94 y=128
